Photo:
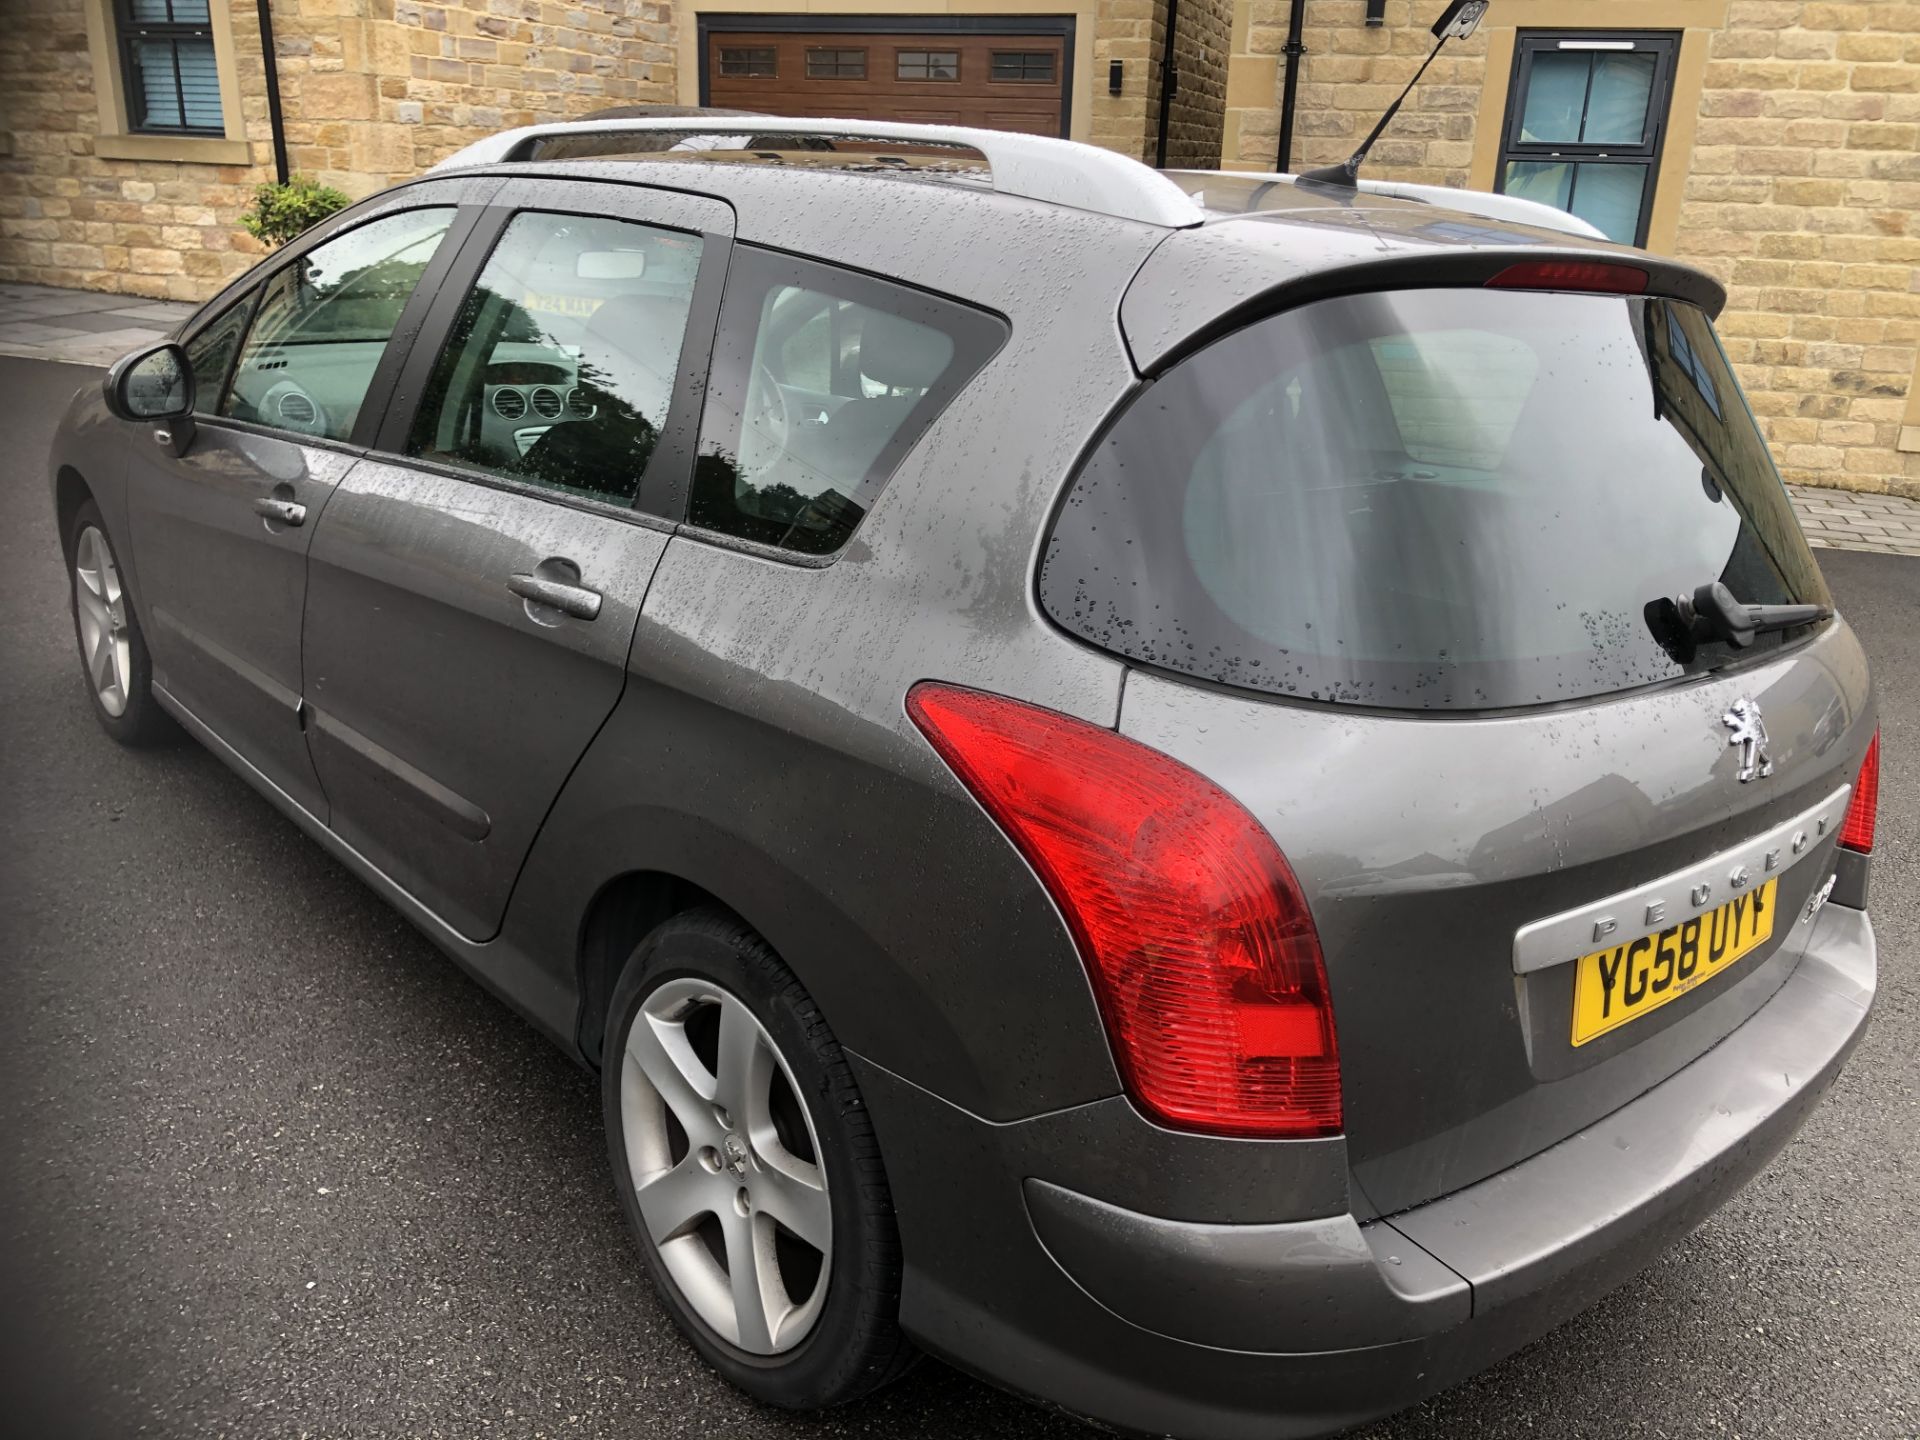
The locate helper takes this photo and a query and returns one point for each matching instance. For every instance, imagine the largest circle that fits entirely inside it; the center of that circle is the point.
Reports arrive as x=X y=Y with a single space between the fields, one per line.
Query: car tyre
x=113 y=650
x=684 y=1110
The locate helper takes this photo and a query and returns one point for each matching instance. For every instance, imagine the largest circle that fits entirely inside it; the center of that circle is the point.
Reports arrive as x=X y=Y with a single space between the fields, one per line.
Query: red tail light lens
x=1198 y=940
x=1856 y=831
x=1595 y=275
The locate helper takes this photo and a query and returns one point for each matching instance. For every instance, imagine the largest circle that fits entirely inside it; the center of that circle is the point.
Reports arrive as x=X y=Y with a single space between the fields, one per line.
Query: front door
x=476 y=582
x=221 y=532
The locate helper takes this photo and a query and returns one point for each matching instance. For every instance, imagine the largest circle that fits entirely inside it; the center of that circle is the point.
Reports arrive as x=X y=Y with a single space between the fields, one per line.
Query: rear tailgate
x=1414 y=574
x=1427 y=845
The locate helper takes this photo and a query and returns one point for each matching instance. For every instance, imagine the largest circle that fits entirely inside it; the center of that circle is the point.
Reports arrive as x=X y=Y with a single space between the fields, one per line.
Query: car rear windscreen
x=1431 y=500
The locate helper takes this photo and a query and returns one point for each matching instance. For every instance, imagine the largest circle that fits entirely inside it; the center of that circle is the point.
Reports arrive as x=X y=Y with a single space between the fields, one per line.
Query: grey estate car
x=1216 y=798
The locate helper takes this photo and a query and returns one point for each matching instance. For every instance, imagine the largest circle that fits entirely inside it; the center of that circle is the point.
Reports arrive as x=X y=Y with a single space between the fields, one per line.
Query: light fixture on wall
x=1114 y=76
x=1376 y=12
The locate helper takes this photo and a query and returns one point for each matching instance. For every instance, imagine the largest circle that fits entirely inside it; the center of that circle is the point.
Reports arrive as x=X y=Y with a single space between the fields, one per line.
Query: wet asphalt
x=273 y=1167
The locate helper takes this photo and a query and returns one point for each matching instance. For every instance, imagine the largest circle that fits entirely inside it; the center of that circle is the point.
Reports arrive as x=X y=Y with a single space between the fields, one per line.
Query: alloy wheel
x=101 y=605
x=726 y=1166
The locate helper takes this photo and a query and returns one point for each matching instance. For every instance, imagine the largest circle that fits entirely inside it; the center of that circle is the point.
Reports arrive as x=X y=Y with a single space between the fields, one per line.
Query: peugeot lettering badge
x=1748 y=730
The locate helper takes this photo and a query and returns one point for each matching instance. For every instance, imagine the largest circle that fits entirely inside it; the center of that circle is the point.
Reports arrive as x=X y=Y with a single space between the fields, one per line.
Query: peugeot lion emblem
x=1748 y=730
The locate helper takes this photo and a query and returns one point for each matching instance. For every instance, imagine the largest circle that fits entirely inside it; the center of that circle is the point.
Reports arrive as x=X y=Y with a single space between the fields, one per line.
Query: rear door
x=282 y=378
x=476 y=581
x=1398 y=571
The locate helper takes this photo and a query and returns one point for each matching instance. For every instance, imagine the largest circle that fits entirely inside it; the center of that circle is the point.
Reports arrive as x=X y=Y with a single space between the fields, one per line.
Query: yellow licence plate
x=1637 y=977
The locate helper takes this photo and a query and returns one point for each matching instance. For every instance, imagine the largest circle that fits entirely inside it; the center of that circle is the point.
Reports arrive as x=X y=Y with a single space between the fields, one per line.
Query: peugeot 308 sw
x=1218 y=799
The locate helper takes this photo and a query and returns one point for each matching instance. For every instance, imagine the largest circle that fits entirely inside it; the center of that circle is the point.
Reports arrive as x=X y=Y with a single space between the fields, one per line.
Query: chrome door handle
x=575 y=600
x=285 y=511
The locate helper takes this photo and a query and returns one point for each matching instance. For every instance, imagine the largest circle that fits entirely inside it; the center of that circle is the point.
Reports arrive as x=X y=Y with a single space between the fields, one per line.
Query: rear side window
x=1430 y=500
x=822 y=380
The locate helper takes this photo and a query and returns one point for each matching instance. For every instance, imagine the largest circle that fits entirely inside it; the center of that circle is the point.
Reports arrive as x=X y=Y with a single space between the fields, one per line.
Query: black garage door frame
x=1061 y=25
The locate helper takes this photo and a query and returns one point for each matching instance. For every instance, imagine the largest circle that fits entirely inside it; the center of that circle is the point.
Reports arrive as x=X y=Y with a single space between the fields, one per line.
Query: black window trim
x=856 y=283
x=128 y=32
x=1646 y=155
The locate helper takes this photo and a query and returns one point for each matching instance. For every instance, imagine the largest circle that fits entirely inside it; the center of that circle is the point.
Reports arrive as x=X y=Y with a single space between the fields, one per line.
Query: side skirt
x=495 y=964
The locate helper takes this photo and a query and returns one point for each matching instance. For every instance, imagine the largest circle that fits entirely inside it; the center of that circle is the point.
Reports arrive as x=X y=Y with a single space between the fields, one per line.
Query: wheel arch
x=597 y=885
x=622 y=913
x=70 y=492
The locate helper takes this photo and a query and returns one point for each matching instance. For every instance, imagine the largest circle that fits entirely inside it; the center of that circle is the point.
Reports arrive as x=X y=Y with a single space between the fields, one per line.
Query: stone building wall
x=1791 y=171
x=1129 y=31
x=372 y=91
x=1804 y=198
x=138 y=227
x=1348 y=77
x=1201 y=29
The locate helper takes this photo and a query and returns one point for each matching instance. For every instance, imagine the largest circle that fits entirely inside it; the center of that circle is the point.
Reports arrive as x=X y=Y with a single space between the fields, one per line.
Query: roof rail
x=1035 y=167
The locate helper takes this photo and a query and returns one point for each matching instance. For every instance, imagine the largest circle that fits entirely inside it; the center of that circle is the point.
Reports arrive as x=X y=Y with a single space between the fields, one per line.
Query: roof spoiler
x=1486 y=205
x=1034 y=167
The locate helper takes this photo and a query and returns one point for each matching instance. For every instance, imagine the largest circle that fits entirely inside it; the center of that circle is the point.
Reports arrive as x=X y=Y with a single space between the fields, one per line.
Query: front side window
x=1431 y=500
x=167 y=63
x=560 y=368
x=324 y=321
x=822 y=380
x=210 y=354
x=1584 y=124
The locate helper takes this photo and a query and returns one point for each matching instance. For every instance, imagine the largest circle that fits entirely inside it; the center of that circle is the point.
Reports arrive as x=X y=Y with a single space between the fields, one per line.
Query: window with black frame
x=822 y=380
x=1586 y=115
x=167 y=66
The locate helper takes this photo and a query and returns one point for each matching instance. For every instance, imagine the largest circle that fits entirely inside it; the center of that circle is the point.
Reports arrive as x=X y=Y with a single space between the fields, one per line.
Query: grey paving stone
x=165 y=314
x=33 y=332
x=102 y=322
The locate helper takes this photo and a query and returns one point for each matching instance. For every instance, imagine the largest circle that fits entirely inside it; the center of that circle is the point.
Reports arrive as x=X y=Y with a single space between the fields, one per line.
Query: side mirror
x=155 y=385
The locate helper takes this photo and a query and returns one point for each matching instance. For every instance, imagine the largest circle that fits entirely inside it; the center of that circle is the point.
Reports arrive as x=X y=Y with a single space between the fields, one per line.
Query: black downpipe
x=1169 y=86
x=275 y=121
x=1290 y=91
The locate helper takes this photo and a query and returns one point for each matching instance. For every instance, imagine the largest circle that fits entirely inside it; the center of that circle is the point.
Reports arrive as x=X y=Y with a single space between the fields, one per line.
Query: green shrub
x=280 y=212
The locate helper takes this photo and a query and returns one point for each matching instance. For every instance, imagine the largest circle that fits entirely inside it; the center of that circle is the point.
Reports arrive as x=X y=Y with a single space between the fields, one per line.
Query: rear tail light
x=1601 y=276
x=1856 y=831
x=1192 y=927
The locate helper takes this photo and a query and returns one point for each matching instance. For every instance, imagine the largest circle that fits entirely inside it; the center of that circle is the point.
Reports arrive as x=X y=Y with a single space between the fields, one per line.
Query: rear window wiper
x=1711 y=613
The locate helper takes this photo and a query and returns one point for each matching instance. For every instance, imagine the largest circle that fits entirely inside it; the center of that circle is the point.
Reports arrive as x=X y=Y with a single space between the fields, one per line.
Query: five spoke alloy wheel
x=100 y=607
x=726 y=1166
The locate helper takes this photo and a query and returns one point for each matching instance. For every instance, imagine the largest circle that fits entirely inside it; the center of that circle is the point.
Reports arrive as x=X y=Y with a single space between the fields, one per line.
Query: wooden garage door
x=997 y=82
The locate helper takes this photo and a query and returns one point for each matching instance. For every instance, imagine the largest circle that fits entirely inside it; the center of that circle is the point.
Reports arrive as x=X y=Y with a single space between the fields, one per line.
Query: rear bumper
x=1206 y=1330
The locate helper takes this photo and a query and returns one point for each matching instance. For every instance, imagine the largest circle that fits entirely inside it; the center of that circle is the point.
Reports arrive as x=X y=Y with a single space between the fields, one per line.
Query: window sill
x=184 y=149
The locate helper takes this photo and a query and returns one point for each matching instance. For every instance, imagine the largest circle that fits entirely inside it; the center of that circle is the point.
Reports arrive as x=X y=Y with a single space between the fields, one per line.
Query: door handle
x=575 y=600
x=285 y=511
